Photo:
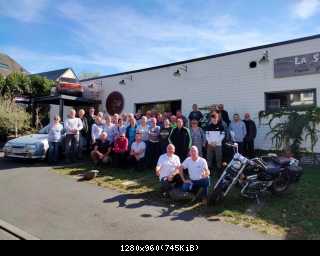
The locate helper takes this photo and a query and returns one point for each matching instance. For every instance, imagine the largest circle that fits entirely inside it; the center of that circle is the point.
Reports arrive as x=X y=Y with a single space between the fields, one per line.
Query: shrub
x=13 y=118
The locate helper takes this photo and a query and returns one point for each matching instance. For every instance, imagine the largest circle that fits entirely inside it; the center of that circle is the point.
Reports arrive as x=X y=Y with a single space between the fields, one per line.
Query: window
x=4 y=66
x=291 y=99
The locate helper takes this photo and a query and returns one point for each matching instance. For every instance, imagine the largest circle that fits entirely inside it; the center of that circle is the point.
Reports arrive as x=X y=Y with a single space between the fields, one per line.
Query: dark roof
x=54 y=74
x=210 y=57
x=70 y=101
x=9 y=65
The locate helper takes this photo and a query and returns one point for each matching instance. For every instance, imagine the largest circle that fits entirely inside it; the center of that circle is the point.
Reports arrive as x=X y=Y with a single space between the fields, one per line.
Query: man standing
x=181 y=116
x=180 y=137
x=199 y=175
x=84 y=134
x=224 y=114
x=250 y=137
x=215 y=135
x=195 y=114
x=73 y=127
x=153 y=144
x=238 y=131
x=168 y=170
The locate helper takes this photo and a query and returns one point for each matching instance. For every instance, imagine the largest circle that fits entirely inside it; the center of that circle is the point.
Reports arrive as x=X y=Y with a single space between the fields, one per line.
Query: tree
x=13 y=118
x=16 y=84
x=2 y=83
x=289 y=128
x=41 y=86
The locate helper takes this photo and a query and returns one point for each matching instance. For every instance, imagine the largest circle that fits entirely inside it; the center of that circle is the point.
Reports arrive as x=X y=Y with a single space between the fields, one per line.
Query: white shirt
x=168 y=165
x=195 y=168
x=138 y=148
x=73 y=124
x=96 y=131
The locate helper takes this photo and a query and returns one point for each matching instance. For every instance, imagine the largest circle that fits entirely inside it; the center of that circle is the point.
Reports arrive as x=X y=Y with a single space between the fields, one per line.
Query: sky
x=111 y=36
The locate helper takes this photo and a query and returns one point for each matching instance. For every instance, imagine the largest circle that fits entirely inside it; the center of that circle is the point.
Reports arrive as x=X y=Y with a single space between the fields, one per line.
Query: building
x=285 y=74
x=9 y=65
x=60 y=74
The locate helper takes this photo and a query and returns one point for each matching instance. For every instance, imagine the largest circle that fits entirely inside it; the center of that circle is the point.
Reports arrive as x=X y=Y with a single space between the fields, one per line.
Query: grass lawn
x=296 y=215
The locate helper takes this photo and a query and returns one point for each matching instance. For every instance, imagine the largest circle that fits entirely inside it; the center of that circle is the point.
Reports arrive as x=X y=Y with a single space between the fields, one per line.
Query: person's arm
x=189 y=138
x=206 y=172
x=93 y=130
x=158 y=168
x=244 y=128
x=80 y=125
x=181 y=172
x=255 y=131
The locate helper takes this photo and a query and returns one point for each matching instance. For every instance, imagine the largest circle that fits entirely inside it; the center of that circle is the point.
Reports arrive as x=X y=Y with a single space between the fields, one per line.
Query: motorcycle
x=257 y=176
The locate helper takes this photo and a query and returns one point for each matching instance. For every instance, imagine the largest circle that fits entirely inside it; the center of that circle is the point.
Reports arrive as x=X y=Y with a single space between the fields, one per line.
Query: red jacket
x=121 y=145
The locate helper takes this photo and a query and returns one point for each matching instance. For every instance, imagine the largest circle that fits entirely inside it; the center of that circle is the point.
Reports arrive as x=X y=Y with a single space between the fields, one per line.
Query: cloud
x=305 y=9
x=132 y=40
x=23 y=10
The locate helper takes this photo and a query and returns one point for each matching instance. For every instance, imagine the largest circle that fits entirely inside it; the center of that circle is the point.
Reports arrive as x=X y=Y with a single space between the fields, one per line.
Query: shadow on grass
x=296 y=213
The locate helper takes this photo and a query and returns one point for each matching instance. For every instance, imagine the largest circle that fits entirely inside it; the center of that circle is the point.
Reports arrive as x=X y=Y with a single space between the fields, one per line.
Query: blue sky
x=113 y=36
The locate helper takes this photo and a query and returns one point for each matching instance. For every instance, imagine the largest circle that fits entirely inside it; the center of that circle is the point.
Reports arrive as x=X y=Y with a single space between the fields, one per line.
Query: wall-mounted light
x=178 y=72
x=123 y=81
x=265 y=58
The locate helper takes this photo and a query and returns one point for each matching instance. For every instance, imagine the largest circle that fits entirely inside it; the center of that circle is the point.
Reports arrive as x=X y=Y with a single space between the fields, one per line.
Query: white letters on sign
x=316 y=57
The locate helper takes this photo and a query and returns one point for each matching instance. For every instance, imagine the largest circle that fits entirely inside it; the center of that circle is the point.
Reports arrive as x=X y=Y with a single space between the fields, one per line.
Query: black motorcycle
x=257 y=176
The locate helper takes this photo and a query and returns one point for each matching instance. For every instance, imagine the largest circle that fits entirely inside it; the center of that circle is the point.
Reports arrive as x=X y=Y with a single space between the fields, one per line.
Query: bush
x=13 y=119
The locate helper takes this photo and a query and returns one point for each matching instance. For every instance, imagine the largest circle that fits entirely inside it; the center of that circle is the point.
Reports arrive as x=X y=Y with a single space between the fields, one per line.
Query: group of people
x=156 y=141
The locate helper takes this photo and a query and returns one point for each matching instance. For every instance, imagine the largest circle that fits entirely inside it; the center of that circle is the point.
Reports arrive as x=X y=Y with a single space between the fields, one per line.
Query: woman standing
x=144 y=129
x=131 y=129
x=54 y=137
x=198 y=136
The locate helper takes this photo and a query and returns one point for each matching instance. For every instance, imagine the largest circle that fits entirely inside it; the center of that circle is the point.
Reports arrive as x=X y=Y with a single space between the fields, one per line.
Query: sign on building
x=307 y=64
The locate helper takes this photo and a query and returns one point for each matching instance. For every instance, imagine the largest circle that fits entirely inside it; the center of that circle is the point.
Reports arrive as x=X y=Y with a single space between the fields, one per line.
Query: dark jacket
x=182 y=140
x=195 y=115
x=164 y=136
x=251 y=130
x=225 y=117
x=85 y=132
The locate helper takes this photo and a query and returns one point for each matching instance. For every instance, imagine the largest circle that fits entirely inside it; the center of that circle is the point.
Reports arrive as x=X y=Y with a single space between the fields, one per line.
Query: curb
x=16 y=231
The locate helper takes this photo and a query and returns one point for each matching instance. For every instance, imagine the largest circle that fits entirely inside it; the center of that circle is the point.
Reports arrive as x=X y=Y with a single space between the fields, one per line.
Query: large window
x=168 y=106
x=300 y=99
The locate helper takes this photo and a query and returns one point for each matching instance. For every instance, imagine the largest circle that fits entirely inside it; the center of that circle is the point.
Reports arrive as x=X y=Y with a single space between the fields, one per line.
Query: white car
x=33 y=146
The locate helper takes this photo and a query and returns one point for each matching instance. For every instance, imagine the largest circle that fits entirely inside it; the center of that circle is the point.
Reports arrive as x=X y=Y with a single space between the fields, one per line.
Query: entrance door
x=161 y=107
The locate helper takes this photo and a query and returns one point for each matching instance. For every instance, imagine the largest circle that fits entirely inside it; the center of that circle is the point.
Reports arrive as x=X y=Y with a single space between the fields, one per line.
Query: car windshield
x=44 y=130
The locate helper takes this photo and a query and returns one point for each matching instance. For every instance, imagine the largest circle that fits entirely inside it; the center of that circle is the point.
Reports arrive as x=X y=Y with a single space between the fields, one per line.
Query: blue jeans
x=196 y=185
x=53 y=155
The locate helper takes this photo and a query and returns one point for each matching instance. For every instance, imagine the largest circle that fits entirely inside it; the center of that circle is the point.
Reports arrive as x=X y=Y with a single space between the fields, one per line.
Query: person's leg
x=56 y=151
x=76 y=141
x=210 y=152
x=166 y=186
x=68 y=147
x=116 y=160
x=251 y=149
x=94 y=158
x=202 y=184
x=218 y=152
x=82 y=145
x=177 y=181
x=51 y=152
x=240 y=144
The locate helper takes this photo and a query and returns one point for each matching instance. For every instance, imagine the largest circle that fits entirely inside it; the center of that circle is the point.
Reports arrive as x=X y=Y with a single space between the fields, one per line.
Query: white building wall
x=227 y=80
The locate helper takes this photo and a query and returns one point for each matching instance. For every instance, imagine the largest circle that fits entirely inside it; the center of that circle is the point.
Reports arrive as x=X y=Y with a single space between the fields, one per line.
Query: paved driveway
x=50 y=206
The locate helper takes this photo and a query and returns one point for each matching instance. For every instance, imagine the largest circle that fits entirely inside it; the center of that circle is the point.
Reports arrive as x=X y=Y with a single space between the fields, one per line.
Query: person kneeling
x=137 y=153
x=120 y=150
x=199 y=173
x=168 y=170
x=102 y=150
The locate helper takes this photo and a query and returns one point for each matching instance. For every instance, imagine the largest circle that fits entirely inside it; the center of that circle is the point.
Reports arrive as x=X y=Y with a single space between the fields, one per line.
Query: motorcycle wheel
x=216 y=197
x=281 y=184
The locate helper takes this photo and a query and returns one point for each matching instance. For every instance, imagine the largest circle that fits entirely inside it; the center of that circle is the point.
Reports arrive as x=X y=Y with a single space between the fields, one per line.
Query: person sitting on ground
x=168 y=170
x=102 y=150
x=137 y=153
x=120 y=150
x=199 y=173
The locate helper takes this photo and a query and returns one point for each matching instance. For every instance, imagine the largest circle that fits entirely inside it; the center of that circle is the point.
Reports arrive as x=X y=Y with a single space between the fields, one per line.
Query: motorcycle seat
x=282 y=161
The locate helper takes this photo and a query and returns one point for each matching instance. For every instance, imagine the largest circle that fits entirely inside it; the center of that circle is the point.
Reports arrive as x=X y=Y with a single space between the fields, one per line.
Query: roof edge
x=292 y=41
